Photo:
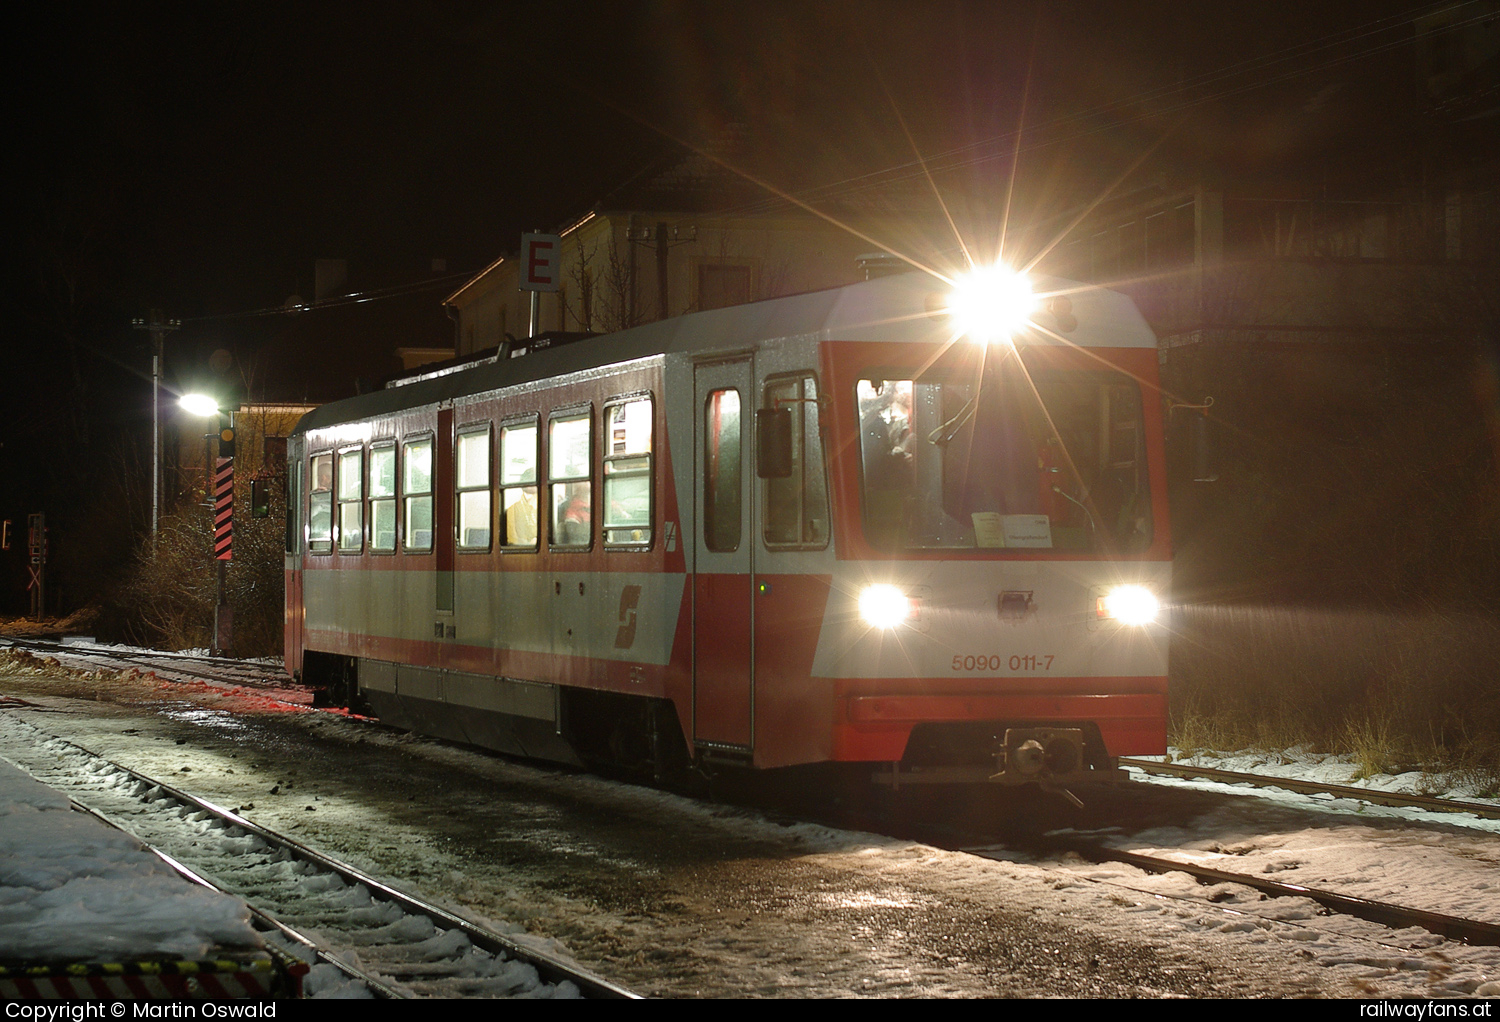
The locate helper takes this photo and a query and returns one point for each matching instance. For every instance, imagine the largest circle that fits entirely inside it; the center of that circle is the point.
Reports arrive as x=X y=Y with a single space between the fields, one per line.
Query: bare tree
x=618 y=311
x=583 y=276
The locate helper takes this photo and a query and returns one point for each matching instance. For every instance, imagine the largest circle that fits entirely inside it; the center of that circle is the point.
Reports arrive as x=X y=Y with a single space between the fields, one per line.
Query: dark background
x=198 y=159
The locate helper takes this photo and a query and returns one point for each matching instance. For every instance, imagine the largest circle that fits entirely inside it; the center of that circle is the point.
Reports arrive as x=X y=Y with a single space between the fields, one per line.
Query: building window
x=518 y=494
x=627 y=473
x=722 y=286
x=383 y=498
x=569 y=464
x=1170 y=237
x=474 y=489
x=416 y=486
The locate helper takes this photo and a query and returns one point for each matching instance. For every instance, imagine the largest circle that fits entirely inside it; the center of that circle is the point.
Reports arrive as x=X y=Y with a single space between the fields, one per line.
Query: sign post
x=37 y=547
x=541 y=270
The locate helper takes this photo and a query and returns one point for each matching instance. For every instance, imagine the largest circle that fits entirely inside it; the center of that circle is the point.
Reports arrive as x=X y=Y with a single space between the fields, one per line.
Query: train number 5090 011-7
x=999 y=661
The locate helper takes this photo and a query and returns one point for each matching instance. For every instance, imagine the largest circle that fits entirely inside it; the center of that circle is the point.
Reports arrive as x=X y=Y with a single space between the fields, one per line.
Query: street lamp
x=207 y=407
x=199 y=404
x=204 y=407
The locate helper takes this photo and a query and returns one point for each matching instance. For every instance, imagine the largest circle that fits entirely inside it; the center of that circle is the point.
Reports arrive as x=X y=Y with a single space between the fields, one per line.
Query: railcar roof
x=890 y=309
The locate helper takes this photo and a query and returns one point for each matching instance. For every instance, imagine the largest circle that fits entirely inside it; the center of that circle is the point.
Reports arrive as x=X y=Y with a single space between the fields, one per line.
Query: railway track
x=1470 y=931
x=392 y=942
x=220 y=670
x=1381 y=798
x=223 y=670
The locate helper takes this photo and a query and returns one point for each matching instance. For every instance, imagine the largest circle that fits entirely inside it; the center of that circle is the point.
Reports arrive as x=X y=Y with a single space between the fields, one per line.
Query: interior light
x=883 y=606
x=1129 y=605
x=991 y=303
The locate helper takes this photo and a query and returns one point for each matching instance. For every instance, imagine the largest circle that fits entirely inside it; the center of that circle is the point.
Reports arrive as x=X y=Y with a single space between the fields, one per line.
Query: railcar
x=850 y=526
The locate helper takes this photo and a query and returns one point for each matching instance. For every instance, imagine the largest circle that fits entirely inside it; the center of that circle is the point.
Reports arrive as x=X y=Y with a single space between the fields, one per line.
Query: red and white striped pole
x=224 y=509
x=223 y=533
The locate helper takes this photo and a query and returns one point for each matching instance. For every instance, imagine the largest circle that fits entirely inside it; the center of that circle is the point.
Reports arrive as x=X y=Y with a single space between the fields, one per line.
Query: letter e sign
x=541 y=265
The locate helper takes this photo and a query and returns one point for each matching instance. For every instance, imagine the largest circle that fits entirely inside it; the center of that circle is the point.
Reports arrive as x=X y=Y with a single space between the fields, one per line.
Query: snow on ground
x=1439 y=862
x=72 y=888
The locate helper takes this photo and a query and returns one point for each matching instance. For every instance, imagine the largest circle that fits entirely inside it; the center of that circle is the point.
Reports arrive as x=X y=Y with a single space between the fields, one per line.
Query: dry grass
x=1395 y=691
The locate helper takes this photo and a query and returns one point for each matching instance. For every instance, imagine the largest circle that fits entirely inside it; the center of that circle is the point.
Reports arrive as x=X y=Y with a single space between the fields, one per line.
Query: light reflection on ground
x=219 y=720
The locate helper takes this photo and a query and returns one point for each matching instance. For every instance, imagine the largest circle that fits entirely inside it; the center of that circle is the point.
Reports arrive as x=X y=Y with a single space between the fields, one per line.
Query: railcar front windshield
x=1005 y=454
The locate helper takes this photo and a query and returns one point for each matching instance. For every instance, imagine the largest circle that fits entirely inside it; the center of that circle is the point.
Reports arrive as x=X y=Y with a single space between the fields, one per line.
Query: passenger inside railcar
x=574 y=517
x=520 y=513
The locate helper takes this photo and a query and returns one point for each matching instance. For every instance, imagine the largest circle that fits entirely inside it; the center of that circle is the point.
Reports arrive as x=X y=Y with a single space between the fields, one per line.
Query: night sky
x=198 y=158
x=212 y=152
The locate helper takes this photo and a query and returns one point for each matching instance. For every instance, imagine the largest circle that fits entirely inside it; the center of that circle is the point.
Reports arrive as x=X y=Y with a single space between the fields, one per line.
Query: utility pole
x=158 y=328
x=663 y=239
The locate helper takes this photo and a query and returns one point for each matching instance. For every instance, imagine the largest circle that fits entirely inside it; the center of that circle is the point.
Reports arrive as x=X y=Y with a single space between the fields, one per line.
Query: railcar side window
x=796 y=508
x=474 y=489
x=721 y=471
x=320 y=505
x=383 y=498
x=569 y=464
x=518 y=496
x=416 y=485
x=627 y=473
x=351 y=499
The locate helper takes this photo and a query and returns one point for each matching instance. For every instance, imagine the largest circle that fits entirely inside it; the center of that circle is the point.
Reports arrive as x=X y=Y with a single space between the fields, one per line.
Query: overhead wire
x=353 y=298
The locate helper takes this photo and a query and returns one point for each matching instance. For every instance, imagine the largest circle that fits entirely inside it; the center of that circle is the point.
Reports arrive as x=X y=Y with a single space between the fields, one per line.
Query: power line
x=354 y=298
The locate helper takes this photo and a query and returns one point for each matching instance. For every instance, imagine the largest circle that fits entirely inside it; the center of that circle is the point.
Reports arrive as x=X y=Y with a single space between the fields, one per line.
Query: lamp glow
x=883 y=606
x=991 y=303
x=199 y=404
x=1129 y=605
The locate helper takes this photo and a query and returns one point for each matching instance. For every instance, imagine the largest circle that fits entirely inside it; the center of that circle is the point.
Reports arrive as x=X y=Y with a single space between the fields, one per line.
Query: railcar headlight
x=991 y=303
x=1129 y=605
x=883 y=606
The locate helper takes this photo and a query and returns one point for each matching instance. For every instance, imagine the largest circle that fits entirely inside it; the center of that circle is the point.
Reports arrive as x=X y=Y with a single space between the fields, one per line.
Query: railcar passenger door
x=292 y=572
x=723 y=658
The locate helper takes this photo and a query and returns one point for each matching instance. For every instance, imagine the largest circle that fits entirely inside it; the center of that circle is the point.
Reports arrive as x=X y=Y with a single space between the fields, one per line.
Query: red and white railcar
x=844 y=526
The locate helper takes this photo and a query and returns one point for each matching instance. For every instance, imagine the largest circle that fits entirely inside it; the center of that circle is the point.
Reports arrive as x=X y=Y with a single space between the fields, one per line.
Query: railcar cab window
x=721 y=471
x=320 y=504
x=416 y=486
x=796 y=507
x=1008 y=455
x=351 y=500
x=627 y=472
x=383 y=498
x=518 y=495
x=474 y=489
x=569 y=464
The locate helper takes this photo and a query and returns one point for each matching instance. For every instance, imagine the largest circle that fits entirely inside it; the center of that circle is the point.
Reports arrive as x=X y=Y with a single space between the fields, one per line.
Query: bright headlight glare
x=883 y=606
x=1130 y=605
x=991 y=303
